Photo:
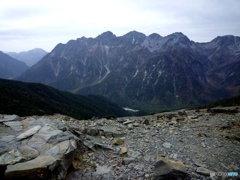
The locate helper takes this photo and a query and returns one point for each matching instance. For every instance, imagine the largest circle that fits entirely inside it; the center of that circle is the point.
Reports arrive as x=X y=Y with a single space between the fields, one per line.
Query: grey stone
x=100 y=170
x=7 y=118
x=8 y=138
x=147 y=158
x=104 y=146
x=200 y=165
x=72 y=146
x=67 y=146
x=136 y=124
x=5 y=147
x=15 y=125
x=118 y=141
x=168 y=169
x=100 y=122
x=203 y=171
x=108 y=134
x=124 y=150
x=46 y=132
x=203 y=144
x=134 y=154
x=128 y=160
x=146 y=122
x=118 y=134
x=34 y=169
x=166 y=145
x=62 y=136
x=92 y=131
x=11 y=157
x=28 y=153
x=41 y=122
x=93 y=143
x=128 y=121
x=141 y=174
x=59 y=149
x=173 y=156
x=36 y=144
x=53 y=151
x=28 y=133
x=130 y=126
x=139 y=167
x=111 y=131
x=7 y=143
x=89 y=144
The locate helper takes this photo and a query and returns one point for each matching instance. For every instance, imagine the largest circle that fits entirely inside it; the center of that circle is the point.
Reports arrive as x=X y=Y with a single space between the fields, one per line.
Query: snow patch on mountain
x=106 y=50
x=129 y=109
x=107 y=73
x=56 y=67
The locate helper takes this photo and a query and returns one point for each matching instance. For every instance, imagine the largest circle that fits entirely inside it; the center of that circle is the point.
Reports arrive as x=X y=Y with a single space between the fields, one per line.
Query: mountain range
x=10 y=67
x=144 y=72
x=30 y=57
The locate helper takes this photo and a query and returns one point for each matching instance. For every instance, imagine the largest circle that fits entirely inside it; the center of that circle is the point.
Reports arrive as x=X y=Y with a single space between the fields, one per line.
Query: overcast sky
x=28 y=24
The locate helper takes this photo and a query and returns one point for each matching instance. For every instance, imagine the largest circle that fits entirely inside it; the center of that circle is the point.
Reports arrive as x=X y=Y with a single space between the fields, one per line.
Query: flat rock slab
x=11 y=157
x=7 y=138
x=47 y=132
x=28 y=153
x=28 y=133
x=59 y=150
x=7 y=118
x=14 y=125
x=43 y=164
x=203 y=171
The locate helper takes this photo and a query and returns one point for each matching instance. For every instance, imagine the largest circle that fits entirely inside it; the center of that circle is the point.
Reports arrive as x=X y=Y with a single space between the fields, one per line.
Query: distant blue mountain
x=30 y=57
x=10 y=67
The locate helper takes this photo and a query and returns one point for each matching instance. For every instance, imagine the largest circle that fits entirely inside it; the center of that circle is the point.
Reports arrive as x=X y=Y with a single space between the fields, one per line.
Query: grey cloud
x=200 y=20
x=16 y=13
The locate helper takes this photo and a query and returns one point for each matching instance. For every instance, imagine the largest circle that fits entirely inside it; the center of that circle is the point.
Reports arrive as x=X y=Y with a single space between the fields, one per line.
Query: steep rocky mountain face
x=224 y=53
x=139 y=71
x=10 y=67
x=30 y=57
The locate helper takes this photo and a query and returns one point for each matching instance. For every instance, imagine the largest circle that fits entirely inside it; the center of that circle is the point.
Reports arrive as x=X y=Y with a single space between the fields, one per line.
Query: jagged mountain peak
x=222 y=45
x=179 y=36
x=57 y=49
x=156 y=43
x=155 y=36
x=107 y=34
x=226 y=40
x=106 y=38
x=134 y=37
x=134 y=34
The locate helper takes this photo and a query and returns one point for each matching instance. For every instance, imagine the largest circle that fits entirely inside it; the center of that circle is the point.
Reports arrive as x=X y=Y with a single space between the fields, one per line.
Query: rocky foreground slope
x=191 y=144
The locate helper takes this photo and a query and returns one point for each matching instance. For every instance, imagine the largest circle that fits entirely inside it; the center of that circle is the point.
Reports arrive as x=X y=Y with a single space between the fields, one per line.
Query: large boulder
x=166 y=168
